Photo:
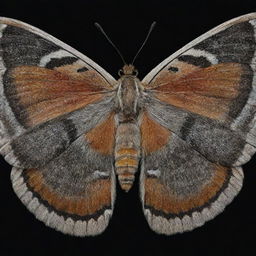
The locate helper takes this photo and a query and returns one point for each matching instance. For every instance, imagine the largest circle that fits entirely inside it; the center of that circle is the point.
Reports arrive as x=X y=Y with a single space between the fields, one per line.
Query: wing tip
x=14 y=22
x=243 y=18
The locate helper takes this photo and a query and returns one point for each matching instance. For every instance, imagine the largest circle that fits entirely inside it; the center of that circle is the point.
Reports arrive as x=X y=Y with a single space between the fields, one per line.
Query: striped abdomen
x=127 y=153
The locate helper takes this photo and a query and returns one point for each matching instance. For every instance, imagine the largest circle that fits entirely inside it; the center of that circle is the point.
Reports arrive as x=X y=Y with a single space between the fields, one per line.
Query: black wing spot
x=58 y=62
x=173 y=69
x=82 y=69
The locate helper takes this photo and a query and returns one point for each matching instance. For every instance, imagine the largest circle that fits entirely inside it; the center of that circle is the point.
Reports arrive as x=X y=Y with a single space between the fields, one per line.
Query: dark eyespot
x=173 y=69
x=59 y=62
x=82 y=69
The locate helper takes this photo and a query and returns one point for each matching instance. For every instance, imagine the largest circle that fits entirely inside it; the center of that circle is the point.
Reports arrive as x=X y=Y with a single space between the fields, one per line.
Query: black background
x=126 y=22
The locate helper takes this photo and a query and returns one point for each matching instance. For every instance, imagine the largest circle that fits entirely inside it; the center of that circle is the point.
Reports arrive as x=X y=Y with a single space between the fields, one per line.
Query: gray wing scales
x=74 y=191
x=181 y=189
x=22 y=44
x=216 y=141
x=38 y=145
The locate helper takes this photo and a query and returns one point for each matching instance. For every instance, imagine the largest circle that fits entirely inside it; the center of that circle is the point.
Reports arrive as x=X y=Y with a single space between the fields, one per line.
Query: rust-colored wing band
x=167 y=213
x=102 y=137
x=75 y=191
x=181 y=189
x=211 y=92
x=153 y=135
x=85 y=214
x=38 y=94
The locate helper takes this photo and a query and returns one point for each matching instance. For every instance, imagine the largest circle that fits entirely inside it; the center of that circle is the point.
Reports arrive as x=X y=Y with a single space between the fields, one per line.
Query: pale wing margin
x=17 y=23
x=149 y=77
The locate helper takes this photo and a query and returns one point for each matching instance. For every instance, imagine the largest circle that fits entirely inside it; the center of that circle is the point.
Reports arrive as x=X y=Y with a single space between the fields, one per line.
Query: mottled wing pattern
x=180 y=188
x=75 y=191
x=200 y=103
x=54 y=101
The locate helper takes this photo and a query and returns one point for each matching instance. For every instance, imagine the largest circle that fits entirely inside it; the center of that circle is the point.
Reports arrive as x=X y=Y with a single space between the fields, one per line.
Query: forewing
x=180 y=188
x=205 y=93
x=47 y=89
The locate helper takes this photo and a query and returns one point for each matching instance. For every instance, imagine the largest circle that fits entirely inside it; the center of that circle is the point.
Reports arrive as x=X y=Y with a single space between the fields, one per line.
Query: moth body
x=127 y=146
x=189 y=125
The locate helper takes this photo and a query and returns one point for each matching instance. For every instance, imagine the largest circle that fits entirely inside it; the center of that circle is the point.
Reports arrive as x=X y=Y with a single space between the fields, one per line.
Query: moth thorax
x=128 y=97
x=127 y=153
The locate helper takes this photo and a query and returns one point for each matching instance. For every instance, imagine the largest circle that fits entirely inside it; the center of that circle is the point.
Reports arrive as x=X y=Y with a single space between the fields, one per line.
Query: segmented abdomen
x=127 y=153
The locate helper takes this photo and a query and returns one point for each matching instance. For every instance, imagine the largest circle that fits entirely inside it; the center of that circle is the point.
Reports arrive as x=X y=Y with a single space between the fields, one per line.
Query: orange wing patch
x=102 y=137
x=205 y=91
x=160 y=198
x=95 y=197
x=45 y=94
x=153 y=135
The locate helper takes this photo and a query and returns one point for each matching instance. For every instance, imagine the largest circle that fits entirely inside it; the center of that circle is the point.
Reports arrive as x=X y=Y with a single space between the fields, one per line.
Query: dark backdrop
x=178 y=22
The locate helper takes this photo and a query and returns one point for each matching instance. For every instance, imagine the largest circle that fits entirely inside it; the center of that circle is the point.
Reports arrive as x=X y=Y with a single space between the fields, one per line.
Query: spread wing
x=200 y=105
x=55 y=104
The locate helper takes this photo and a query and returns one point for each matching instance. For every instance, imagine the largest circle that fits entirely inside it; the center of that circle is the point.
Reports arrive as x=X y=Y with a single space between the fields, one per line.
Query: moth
x=69 y=129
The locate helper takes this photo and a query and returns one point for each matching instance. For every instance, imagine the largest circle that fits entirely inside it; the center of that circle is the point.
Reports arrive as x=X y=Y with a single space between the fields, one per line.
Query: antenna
x=146 y=39
x=98 y=26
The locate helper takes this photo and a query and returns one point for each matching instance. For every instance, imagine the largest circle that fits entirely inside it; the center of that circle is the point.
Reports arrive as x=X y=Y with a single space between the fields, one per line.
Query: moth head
x=129 y=70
